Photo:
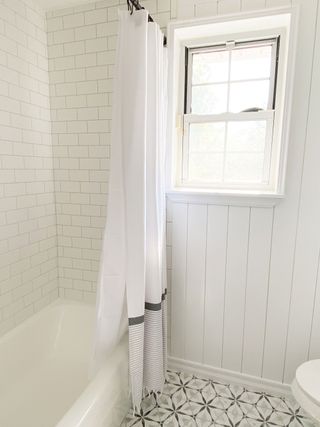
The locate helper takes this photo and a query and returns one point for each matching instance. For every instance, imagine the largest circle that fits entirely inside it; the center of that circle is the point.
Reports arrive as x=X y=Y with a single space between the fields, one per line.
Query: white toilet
x=306 y=388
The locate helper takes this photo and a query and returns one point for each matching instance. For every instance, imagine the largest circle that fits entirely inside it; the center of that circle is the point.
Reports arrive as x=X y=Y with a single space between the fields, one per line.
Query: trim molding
x=224 y=199
x=230 y=377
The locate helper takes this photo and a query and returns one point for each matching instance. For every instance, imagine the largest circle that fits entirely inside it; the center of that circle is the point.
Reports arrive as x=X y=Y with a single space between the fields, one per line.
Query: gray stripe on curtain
x=136 y=320
x=148 y=306
x=148 y=349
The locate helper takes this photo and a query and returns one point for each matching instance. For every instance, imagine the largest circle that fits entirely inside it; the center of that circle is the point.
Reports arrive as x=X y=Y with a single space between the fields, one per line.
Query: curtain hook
x=130 y=7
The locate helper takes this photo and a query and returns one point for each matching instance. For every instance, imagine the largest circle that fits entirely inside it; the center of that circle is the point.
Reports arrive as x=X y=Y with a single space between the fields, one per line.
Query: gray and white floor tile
x=188 y=401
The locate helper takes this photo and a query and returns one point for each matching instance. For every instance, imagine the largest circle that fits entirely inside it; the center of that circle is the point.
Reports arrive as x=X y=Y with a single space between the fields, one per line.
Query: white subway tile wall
x=28 y=244
x=81 y=45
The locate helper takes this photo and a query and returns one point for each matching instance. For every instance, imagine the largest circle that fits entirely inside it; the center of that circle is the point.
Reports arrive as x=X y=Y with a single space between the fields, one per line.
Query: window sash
x=274 y=42
x=267 y=116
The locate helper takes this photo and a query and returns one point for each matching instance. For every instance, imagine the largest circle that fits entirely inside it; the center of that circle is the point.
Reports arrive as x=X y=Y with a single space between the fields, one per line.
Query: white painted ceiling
x=59 y=4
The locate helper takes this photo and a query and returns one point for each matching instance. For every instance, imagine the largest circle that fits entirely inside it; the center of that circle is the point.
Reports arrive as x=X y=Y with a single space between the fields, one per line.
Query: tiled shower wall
x=81 y=46
x=42 y=227
x=28 y=251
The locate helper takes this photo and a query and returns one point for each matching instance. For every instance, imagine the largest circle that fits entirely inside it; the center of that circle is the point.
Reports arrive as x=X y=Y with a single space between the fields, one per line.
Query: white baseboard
x=230 y=377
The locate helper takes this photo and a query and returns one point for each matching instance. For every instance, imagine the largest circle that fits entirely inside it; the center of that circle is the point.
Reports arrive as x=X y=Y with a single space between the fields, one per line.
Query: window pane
x=230 y=152
x=248 y=95
x=247 y=136
x=205 y=167
x=207 y=137
x=210 y=67
x=209 y=99
x=241 y=167
x=251 y=63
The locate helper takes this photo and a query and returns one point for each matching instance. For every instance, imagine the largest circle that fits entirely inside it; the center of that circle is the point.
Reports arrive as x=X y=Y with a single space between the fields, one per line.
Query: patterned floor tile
x=189 y=401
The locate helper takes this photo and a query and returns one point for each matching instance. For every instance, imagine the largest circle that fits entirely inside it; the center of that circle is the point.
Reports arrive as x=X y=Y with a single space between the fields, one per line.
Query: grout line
x=268 y=291
x=205 y=286
x=186 y=282
x=316 y=290
x=225 y=287
x=245 y=290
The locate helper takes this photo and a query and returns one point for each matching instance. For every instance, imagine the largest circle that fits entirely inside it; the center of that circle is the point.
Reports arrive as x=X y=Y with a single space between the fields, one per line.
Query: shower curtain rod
x=134 y=4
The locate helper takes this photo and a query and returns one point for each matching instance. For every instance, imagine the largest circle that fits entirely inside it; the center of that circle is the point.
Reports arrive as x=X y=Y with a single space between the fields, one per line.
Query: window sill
x=260 y=200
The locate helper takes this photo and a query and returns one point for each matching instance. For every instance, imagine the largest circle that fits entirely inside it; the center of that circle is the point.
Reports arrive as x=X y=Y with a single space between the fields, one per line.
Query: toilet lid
x=308 y=378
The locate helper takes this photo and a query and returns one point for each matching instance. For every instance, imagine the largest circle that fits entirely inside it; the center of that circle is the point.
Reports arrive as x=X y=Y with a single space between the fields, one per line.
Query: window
x=231 y=86
x=229 y=114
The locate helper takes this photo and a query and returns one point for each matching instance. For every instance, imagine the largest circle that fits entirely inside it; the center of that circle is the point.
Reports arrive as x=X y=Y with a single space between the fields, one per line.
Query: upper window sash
x=233 y=45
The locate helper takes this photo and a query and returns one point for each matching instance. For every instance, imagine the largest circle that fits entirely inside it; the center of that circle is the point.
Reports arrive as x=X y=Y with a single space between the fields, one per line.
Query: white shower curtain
x=132 y=280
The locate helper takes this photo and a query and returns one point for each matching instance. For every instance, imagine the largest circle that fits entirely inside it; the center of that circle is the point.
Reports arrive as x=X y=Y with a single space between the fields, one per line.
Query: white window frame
x=192 y=34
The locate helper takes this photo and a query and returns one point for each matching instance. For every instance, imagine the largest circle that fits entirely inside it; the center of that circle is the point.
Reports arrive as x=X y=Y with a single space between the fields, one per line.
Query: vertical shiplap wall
x=220 y=274
x=245 y=280
x=28 y=246
x=304 y=327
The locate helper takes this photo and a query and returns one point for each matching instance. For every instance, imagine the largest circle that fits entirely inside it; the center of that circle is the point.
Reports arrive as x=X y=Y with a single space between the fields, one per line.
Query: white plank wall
x=245 y=280
x=215 y=284
x=308 y=235
x=261 y=225
x=179 y=261
x=286 y=214
x=235 y=289
x=195 y=280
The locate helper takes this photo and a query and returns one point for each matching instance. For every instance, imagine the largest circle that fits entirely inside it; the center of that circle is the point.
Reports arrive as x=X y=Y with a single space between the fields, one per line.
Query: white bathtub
x=44 y=373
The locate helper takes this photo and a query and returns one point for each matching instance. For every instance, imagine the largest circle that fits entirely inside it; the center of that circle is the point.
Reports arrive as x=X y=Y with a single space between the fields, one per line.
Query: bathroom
x=236 y=228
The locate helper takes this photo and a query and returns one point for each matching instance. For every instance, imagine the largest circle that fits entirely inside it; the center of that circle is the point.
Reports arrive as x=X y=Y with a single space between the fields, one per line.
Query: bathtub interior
x=44 y=365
